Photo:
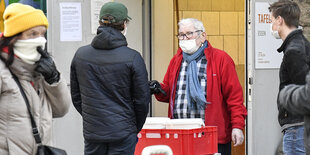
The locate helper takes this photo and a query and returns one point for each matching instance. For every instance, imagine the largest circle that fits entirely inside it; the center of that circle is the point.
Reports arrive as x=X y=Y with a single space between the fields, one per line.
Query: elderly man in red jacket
x=201 y=82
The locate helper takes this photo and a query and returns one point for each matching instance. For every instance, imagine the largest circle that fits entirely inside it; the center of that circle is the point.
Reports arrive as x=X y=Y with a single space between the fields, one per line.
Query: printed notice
x=70 y=22
x=266 y=55
x=95 y=11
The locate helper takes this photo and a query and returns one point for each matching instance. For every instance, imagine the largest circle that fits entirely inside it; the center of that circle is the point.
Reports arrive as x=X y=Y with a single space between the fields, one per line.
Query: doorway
x=216 y=16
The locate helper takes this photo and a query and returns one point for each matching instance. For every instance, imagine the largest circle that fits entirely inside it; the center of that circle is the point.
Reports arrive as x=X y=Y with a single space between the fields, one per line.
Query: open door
x=263 y=62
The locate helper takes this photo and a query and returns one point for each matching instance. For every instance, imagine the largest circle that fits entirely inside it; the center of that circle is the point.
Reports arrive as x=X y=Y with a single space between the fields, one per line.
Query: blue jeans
x=293 y=141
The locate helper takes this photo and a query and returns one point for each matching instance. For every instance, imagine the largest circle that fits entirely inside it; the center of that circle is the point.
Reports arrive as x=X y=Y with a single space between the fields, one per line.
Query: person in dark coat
x=297 y=99
x=293 y=70
x=109 y=86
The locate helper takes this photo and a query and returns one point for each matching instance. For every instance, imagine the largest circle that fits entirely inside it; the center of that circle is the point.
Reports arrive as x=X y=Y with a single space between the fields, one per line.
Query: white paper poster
x=70 y=21
x=266 y=54
x=95 y=11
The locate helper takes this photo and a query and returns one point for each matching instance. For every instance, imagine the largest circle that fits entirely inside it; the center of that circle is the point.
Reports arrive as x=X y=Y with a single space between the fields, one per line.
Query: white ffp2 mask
x=124 y=32
x=188 y=46
x=274 y=33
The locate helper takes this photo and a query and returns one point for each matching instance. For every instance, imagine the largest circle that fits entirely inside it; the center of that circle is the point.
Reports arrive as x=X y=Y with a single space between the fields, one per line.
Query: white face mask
x=124 y=32
x=27 y=49
x=274 y=33
x=188 y=46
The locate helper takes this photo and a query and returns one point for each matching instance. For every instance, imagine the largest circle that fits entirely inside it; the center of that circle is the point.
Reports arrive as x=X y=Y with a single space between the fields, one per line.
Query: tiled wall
x=224 y=21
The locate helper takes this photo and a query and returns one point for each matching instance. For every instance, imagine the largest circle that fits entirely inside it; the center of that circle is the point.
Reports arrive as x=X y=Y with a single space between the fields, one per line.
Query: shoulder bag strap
x=35 y=131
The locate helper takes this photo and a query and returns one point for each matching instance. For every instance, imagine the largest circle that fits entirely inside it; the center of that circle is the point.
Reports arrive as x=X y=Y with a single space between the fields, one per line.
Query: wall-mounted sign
x=266 y=55
x=70 y=21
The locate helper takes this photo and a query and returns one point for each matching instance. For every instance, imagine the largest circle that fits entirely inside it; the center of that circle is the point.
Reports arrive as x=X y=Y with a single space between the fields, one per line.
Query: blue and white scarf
x=194 y=91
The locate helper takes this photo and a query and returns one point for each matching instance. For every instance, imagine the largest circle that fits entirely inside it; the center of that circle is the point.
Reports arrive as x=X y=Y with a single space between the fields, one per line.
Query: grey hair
x=198 y=25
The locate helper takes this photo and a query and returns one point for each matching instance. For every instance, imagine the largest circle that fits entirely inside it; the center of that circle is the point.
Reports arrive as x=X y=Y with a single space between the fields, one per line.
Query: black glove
x=155 y=87
x=46 y=67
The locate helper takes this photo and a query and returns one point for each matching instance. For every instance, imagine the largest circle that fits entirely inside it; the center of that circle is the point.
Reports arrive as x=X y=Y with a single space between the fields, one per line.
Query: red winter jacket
x=224 y=92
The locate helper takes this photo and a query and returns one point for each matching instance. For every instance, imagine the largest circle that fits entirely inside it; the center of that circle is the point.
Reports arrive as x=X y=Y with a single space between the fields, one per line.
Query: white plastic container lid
x=190 y=123
x=155 y=122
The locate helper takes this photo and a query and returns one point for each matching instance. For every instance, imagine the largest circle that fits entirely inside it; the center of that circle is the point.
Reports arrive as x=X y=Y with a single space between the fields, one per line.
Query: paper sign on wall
x=70 y=22
x=266 y=55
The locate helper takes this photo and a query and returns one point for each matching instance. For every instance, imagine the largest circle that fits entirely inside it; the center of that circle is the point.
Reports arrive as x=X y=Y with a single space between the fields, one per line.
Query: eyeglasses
x=188 y=35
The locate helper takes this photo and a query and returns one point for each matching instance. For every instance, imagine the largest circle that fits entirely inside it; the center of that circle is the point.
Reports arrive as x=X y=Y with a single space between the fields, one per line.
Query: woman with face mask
x=27 y=69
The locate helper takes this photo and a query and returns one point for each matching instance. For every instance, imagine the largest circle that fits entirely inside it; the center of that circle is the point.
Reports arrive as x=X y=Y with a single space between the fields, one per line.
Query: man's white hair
x=198 y=25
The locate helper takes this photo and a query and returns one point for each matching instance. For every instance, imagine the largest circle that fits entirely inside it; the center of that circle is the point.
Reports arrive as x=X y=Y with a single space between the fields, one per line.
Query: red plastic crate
x=199 y=141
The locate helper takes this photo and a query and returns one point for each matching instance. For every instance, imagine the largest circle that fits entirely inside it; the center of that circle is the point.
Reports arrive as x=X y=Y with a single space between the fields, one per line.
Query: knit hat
x=116 y=10
x=20 y=17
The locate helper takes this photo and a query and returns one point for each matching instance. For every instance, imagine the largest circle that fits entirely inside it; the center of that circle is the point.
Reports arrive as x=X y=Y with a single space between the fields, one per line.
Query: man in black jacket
x=109 y=87
x=294 y=68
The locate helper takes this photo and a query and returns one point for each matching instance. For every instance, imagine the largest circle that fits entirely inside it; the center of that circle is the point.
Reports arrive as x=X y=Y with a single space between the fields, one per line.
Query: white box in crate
x=155 y=122
x=190 y=123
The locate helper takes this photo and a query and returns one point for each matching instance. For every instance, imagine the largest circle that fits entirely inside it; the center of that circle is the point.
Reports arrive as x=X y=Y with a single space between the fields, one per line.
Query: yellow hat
x=20 y=17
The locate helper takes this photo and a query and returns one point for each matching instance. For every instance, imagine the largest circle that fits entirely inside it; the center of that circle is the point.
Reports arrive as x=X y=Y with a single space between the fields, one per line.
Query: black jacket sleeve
x=75 y=90
x=296 y=98
x=140 y=91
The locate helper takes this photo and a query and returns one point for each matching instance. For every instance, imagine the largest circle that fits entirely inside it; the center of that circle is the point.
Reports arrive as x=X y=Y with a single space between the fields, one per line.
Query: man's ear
x=281 y=20
x=203 y=36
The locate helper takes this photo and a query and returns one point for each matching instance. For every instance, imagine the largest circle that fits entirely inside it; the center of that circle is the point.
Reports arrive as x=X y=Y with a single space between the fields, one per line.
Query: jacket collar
x=108 y=38
x=289 y=37
x=21 y=69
